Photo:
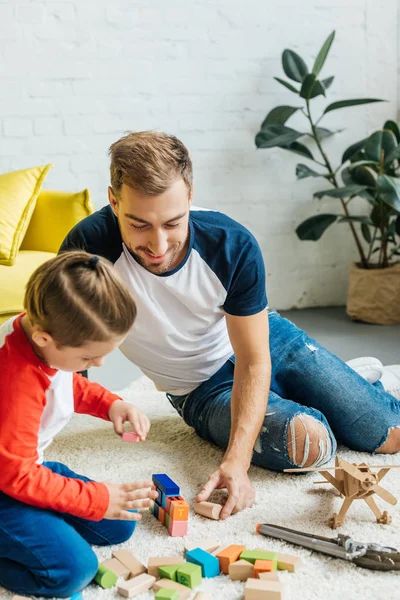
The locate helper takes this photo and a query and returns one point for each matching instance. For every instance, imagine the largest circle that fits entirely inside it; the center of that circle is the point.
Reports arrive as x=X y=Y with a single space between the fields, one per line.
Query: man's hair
x=149 y=162
x=78 y=298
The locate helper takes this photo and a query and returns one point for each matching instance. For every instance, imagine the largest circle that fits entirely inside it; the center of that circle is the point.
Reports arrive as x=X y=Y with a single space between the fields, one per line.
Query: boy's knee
x=122 y=531
x=309 y=442
x=71 y=575
x=392 y=443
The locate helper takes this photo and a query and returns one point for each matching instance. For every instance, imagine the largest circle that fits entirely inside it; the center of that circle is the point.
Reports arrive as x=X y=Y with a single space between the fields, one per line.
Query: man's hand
x=121 y=411
x=233 y=476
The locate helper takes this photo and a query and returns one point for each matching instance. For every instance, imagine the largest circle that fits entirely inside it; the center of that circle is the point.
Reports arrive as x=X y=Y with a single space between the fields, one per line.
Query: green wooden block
x=164 y=594
x=106 y=578
x=253 y=555
x=189 y=574
x=168 y=572
x=167 y=519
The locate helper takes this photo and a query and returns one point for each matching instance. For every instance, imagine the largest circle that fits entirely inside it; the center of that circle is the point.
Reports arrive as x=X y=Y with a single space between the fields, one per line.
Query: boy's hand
x=129 y=496
x=121 y=411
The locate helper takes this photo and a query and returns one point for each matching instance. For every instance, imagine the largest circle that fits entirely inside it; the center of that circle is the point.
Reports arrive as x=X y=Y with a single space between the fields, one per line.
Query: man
x=205 y=335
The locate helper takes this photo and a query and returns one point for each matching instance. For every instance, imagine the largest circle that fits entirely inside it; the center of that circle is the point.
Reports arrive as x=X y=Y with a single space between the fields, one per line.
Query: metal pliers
x=369 y=556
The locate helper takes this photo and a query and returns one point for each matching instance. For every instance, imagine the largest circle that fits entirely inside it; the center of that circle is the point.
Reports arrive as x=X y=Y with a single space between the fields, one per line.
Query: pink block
x=177 y=528
x=130 y=436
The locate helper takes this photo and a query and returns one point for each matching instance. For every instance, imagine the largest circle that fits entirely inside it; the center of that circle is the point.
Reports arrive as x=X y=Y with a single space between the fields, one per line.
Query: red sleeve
x=22 y=400
x=91 y=398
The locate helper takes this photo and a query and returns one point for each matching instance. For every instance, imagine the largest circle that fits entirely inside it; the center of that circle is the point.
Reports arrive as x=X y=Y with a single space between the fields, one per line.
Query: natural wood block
x=162 y=561
x=209 y=545
x=114 y=565
x=259 y=589
x=203 y=596
x=241 y=570
x=20 y=598
x=229 y=555
x=271 y=575
x=135 y=586
x=208 y=509
x=288 y=562
x=262 y=566
x=184 y=592
x=130 y=562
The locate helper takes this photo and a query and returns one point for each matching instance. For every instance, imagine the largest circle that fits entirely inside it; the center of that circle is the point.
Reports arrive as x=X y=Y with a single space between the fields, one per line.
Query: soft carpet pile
x=90 y=446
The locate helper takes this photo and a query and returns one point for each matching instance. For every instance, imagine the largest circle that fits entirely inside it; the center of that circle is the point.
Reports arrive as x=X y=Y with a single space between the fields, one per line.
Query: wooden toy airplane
x=355 y=482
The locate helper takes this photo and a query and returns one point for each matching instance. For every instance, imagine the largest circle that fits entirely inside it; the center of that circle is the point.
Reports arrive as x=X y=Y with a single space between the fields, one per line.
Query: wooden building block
x=177 y=528
x=155 y=509
x=155 y=562
x=130 y=436
x=183 y=591
x=136 y=586
x=167 y=520
x=168 y=572
x=288 y=562
x=259 y=589
x=166 y=485
x=130 y=562
x=20 y=598
x=77 y=596
x=271 y=575
x=229 y=555
x=161 y=515
x=241 y=570
x=209 y=545
x=253 y=555
x=105 y=578
x=208 y=509
x=113 y=564
x=203 y=596
x=177 y=508
x=209 y=563
x=165 y=594
x=189 y=574
x=263 y=566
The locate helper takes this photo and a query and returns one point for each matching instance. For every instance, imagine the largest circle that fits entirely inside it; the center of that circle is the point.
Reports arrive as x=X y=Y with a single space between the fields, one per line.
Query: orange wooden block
x=178 y=509
x=161 y=515
x=130 y=561
x=229 y=555
x=262 y=566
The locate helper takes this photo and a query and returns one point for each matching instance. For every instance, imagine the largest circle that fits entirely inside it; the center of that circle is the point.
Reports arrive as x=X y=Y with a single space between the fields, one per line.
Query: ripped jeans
x=306 y=379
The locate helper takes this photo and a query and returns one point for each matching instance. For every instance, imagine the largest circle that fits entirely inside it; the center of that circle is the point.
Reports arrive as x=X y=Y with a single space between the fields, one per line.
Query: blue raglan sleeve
x=246 y=294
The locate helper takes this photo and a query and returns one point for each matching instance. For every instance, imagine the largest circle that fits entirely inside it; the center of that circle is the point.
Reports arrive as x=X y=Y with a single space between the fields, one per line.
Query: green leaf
x=318 y=90
x=389 y=191
x=279 y=115
x=366 y=233
x=276 y=135
x=353 y=149
x=294 y=66
x=314 y=227
x=343 y=192
x=322 y=54
x=307 y=87
x=397 y=228
x=345 y=103
x=392 y=126
x=302 y=171
x=327 y=82
x=394 y=155
x=363 y=175
x=380 y=143
x=356 y=219
x=323 y=133
x=360 y=163
x=299 y=148
x=288 y=85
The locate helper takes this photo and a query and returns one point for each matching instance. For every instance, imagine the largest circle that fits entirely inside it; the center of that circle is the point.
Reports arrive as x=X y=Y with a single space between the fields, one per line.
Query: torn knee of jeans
x=391 y=443
x=302 y=447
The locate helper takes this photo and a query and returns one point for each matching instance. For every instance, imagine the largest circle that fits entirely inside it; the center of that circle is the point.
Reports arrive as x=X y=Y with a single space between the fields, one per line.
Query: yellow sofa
x=54 y=216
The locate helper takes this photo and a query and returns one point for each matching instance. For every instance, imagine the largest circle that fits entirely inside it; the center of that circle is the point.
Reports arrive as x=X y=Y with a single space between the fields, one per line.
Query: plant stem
x=332 y=177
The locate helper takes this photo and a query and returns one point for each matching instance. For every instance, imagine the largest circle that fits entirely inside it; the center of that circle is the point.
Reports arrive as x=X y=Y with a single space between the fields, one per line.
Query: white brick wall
x=76 y=74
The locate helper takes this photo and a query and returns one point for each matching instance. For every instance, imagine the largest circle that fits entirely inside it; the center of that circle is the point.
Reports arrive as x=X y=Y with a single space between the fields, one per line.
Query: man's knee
x=392 y=443
x=309 y=442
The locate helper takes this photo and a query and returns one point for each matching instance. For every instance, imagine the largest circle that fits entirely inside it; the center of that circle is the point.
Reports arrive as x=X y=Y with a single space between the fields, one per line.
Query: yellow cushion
x=13 y=281
x=18 y=193
x=55 y=215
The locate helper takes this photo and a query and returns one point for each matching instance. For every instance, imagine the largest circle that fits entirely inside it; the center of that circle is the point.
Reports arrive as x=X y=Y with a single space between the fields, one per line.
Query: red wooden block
x=130 y=436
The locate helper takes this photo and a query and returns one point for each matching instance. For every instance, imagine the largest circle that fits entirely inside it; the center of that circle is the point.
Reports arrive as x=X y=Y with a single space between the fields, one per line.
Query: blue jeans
x=306 y=379
x=46 y=553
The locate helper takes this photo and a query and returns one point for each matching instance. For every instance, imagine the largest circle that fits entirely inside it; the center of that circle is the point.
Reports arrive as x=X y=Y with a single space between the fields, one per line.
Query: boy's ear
x=41 y=338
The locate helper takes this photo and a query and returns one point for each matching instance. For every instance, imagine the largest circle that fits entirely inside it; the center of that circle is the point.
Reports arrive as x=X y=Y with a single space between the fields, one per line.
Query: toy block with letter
x=189 y=574
x=170 y=508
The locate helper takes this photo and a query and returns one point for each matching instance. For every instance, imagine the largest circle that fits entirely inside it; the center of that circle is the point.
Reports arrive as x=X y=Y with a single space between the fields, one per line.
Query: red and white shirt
x=36 y=402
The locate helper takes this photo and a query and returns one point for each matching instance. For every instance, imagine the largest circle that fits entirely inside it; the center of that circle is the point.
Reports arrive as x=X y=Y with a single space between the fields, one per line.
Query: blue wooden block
x=166 y=485
x=155 y=510
x=209 y=564
x=77 y=596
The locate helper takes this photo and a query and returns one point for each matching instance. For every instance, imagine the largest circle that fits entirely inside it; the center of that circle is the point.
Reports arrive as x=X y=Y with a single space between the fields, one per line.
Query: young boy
x=77 y=311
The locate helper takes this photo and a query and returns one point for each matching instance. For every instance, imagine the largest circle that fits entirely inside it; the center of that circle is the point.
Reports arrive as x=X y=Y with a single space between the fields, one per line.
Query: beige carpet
x=90 y=446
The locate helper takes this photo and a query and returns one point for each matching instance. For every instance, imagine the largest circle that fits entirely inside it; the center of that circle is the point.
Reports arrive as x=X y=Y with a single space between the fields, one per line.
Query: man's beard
x=158 y=269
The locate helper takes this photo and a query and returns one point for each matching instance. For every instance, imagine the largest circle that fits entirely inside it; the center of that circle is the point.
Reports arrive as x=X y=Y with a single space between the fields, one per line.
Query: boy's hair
x=149 y=162
x=77 y=297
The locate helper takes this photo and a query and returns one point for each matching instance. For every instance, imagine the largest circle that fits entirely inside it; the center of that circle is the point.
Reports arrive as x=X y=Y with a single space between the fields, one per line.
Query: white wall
x=75 y=75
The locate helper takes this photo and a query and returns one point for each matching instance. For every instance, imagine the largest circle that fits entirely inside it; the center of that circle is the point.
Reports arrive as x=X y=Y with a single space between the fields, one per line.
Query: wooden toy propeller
x=355 y=482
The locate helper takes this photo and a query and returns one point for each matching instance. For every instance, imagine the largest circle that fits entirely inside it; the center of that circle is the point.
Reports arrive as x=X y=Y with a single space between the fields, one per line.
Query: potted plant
x=369 y=169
